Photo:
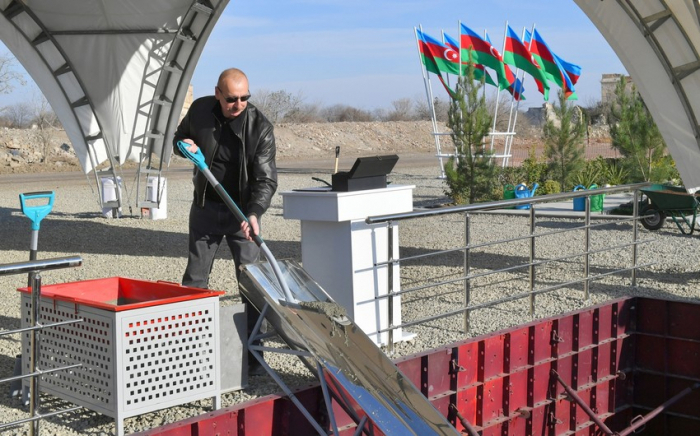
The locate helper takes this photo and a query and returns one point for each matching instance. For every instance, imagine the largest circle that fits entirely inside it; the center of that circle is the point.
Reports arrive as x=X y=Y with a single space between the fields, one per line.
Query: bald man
x=238 y=144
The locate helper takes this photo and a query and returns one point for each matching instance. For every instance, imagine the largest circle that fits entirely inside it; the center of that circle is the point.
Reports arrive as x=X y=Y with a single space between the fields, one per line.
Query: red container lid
x=118 y=293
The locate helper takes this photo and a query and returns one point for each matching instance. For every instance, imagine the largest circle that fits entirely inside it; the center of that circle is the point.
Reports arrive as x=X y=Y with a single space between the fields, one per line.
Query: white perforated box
x=137 y=354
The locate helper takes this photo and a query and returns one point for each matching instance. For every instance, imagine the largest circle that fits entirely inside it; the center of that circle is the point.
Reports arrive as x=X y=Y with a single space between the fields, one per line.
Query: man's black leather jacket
x=258 y=171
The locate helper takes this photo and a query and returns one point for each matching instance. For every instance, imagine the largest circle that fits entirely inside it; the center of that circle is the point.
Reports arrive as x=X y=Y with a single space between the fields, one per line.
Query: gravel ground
x=154 y=250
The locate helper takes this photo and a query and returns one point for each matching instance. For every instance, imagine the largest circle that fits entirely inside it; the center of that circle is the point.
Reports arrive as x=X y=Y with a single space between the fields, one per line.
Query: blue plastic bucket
x=580 y=202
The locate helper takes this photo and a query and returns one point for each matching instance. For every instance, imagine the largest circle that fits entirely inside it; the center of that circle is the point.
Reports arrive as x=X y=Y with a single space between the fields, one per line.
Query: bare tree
x=8 y=76
x=45 y=121
x=305 y=113
x=345 y=113
x=276 y=104
x=19 y=115
x=422 y=111
x=402 y=110
x=505 y=113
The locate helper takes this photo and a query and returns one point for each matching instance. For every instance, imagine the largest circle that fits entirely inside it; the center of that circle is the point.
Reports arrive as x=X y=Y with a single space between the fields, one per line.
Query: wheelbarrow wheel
x=652 y=217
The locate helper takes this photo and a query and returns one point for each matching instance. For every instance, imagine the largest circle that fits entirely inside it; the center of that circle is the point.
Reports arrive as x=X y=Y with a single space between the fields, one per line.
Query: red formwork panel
x=467 y=405
x=438 y=378
x=518 y=386
x=541 y=335
x=491 y=363
x=683 y=322
x=491 y=402
x=538 y=421
x=518 y=349
x=412 y=369
x=468 y=364
x=622 y=359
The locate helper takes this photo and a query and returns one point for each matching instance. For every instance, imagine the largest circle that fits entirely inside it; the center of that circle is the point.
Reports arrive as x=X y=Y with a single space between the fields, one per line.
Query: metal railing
x=536 y=259
x=33 y=267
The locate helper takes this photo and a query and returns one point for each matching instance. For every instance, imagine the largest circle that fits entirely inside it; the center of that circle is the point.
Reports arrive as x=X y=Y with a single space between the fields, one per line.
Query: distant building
x=608 y=83
x=537 y=116
x=187 y=103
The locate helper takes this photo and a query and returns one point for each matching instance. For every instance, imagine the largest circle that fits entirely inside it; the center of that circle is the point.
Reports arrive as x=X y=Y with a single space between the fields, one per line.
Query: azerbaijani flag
x=482 y=52
x=446 y=59
x=432 y=58
x=516 y=87
x=572 y=70
x=479 y=70
x=517 y=54
x=550 y=63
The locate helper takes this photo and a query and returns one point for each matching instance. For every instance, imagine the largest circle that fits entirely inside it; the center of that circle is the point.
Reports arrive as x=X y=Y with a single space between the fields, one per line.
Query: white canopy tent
x=658 y=41
x=116 y=72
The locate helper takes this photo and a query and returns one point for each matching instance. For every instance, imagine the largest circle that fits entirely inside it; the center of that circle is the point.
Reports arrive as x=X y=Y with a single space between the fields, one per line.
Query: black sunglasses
x=234 y=99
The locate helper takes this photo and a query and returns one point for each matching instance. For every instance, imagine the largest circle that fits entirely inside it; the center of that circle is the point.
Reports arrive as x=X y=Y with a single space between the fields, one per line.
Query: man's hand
x=246 y=228
x=193 y=147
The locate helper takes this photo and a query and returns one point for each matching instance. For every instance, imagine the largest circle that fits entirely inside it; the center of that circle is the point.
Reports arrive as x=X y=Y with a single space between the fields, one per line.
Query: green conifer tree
x=635 y=135
x=471 y=175
x=563 y=140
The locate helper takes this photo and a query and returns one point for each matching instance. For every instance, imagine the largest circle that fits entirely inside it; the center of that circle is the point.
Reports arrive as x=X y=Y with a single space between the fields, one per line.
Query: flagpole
x=517 y=106
x=513 y=117
x=508 y=132
x=429 y=95
x=459 y=78
x=514 y=105
x=498 y=96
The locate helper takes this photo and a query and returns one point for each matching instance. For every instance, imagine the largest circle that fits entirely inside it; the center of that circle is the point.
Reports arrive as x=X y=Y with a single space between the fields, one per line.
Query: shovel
x=36 y=212
x=198 y=160
x=35 y=205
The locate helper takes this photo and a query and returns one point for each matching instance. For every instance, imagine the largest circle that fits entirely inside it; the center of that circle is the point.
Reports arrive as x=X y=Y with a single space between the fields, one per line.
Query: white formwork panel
x=134 y=361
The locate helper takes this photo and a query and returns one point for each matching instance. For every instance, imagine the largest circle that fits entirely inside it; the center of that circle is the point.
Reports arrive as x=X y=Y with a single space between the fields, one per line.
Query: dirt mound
x=22 y=150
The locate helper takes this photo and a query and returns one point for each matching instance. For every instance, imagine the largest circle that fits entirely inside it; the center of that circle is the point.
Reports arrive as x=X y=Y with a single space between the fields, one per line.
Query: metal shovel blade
x=354 y=367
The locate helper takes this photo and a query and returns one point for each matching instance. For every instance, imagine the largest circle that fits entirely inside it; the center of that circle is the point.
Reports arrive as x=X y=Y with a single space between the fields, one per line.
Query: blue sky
x=363 y=53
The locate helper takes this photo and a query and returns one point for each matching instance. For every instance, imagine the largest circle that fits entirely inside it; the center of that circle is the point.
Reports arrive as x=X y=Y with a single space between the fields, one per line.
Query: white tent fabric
x=658 y=41
x=116 y=72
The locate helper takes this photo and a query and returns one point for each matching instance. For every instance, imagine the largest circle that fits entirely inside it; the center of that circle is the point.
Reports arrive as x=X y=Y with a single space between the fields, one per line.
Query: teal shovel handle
x=197 y=158
x=36 y=212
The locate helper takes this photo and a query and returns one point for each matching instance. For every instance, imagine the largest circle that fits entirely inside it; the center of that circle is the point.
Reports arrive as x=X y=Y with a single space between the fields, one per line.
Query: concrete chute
x=116 y=72
x=658 y=42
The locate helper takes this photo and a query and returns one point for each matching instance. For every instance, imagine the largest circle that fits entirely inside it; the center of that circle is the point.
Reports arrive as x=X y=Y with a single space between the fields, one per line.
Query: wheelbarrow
x=669 y=201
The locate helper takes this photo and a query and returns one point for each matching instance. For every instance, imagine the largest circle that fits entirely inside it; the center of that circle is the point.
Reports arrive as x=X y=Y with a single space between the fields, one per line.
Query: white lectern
x=339 y=250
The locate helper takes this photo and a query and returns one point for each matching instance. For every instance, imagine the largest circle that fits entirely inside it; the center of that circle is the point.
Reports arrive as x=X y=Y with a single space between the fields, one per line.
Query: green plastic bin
x=596 y=200
x=509 y=193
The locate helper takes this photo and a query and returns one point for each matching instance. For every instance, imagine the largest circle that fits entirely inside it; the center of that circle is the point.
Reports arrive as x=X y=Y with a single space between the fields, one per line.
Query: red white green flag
x=516 y=87
x=519 y=56
x=482 y=52
x=432 y=57
x=479 y=70
x=552 y=64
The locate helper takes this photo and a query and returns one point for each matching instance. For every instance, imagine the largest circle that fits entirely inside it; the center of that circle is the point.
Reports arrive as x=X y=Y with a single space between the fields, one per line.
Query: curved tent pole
x=648 y=25
x=190 y=38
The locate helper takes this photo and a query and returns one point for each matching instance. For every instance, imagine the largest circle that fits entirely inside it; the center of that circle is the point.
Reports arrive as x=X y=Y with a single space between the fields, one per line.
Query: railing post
x=587 y=249
x=34 y=354
x=467 y=283
x=635 y=236
x=532 y=259
x=390 y=288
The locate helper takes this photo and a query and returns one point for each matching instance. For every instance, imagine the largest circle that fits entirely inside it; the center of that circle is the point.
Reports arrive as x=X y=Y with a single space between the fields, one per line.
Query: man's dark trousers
x=208 y=226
